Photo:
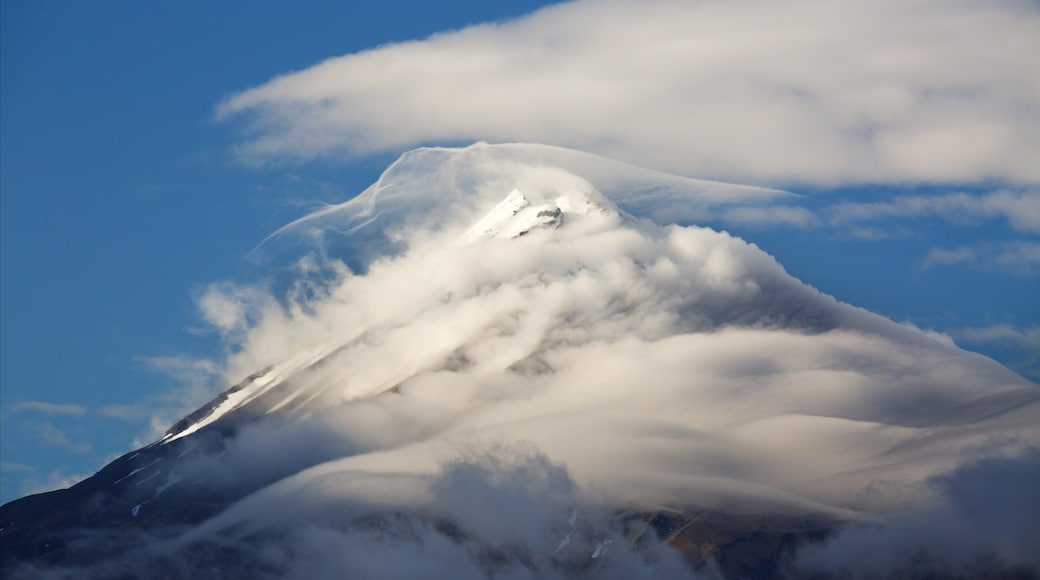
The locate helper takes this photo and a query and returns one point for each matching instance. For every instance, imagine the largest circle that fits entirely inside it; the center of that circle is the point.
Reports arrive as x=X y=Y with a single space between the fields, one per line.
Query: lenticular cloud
x=497 y=351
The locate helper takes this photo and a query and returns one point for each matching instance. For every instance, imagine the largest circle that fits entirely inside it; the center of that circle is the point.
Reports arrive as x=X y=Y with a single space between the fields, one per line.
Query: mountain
x=524 y=361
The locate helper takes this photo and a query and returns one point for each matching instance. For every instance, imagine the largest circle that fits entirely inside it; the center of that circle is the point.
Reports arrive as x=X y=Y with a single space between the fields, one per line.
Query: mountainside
x=513 y=361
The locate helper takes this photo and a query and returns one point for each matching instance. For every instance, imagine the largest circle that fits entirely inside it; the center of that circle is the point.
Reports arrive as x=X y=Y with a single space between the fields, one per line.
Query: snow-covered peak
x=702 y=378
x=440 y=189
x=516 y=215
x=492 y=224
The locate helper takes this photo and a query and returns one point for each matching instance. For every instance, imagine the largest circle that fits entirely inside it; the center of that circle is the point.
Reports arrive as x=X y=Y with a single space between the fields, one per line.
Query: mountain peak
x=670 y=384
x=516 y=215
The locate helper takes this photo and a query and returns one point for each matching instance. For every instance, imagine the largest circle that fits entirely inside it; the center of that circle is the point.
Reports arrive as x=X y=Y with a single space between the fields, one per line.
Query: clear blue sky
x=121 y=201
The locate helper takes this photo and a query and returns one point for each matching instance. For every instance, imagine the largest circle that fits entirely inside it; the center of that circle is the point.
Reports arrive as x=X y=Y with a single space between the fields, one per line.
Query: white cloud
x=944 y=257
x=691 y=366
x=39 y=483
x=802 y=90
x=16 y=467
x=1018 y=257
x=190 y=370
x=130 y=413
x=1028 y=337
x=224 y=306
x=52 y=435
x=987 y=509
x=1020 y=208
x=47 y=408
x=776 y=216
x=1023 y=256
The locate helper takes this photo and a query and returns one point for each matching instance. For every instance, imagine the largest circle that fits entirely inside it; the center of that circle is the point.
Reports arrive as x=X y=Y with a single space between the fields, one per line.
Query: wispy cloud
x=945 y=257
x=54 y=436
x=129 y=413
x=36 y=482
x=18 y=480
x=801 y=90
x=7 y=466
x=1024 y=256
x=184 y=369
x=1025 y=337
x=796 y=217
x=46 y=408
x=1021 y=209
x=1019 y=257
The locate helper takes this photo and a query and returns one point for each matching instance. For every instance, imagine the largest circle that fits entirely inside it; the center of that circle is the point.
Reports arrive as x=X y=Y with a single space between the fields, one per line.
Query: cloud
x=224 y=307
x=1023 y=256
x=51 y=435
x=806 y=91
x=16 y=467
x=11 y=472
x=1028 y=337
x=981 y=522
x=129 y=413
x=659 y=364
x=39 y=483
x=196 y=380
x=796 y=217
x=545 y=334
x=184 y=368
x=944 y=257
x=1020 y=208
x=47 y=408
x=1022 y=345
x=502 y=512
x=1019 y=257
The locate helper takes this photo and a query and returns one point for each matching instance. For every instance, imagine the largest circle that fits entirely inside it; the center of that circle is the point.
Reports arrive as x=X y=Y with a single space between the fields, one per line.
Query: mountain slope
x=521 y=372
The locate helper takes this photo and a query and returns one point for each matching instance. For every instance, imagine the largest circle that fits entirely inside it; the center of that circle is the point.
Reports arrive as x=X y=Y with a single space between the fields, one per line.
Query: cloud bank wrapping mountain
x=527 y=344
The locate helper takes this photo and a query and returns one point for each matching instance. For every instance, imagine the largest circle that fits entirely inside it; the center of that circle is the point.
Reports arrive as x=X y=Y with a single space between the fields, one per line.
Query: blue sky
x=145 y=154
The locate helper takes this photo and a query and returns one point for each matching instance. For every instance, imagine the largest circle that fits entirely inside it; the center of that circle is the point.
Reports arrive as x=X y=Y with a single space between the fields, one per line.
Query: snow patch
x=138 y=470
x=150 y=477
x=601 y=549
x=172 y=478
x=260 y=385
